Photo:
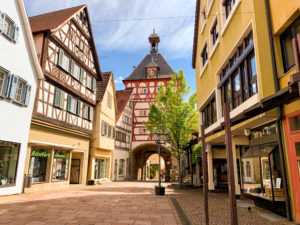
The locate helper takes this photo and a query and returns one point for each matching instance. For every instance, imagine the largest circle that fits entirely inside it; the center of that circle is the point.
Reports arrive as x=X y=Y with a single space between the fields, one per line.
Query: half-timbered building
x=103 y=142
x=123 y=134
x=62 y=122
x=145 y=81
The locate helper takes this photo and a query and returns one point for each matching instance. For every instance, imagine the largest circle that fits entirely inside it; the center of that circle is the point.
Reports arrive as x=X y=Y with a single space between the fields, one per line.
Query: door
x=75 y=171
x=295 y=170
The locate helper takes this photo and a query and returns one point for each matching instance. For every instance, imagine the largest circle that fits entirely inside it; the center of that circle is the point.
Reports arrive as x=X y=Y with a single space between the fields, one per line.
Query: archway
x=140 y=155
x=152 y=167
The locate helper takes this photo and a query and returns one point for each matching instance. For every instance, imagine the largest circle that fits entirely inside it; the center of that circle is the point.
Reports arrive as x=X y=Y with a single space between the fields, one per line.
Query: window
x=158 y=89
x=214 y=32
x=73 y=105
x=8 y=27
x=60 y=166
x=104 y=128
x=75 y=70
x=145 y=90
x=126 y=119
x=209 y=114
x=58 y=98
x=109 y=134
x=101 y=168
x=121 y=167
x=239 y=76
x=248 y=169
x=120 y=136
x=19 y=91
x=109 y=100
x=287 y=45
x=91 y=83
x=295 y=123
x=203 y=16
x=130 y=104
x=88 y=112
x=128 y=139
x=204 y=55
x=63 y=60
x=2 y=79
x=228 y=4
x=39 y=166
x=9 y=154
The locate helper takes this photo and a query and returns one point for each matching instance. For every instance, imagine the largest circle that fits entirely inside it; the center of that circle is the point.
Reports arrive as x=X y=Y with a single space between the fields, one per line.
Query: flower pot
x=159 y=190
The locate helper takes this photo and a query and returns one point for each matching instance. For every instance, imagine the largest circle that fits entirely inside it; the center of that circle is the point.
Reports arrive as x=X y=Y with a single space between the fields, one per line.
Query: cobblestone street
x=125 y=203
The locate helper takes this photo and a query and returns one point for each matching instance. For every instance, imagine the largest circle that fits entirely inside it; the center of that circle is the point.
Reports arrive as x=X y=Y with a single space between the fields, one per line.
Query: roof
x=52 y=20
x=152 y=64
x=165 y=71
x=196 y=31
x=102 y=85
x=123 y=97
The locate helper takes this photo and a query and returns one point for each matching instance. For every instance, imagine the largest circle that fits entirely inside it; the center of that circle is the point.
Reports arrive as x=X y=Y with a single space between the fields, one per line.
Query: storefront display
x=261 y=165
x=101 y=168
x=60 y=166
x=39 y=164
x=9 y=154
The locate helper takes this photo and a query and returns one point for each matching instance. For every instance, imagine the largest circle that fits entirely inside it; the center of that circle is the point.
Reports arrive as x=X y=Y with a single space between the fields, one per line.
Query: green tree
x=175 y=113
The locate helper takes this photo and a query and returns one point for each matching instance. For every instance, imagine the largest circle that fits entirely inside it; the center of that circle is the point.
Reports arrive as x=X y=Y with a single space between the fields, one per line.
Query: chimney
x=133 y=68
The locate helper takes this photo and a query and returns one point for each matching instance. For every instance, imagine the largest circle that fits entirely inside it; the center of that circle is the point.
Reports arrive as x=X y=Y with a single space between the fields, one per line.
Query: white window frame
x=19 y=91
x=225 y=21
x=121 y=166
x=203 y=67
x=3 y=80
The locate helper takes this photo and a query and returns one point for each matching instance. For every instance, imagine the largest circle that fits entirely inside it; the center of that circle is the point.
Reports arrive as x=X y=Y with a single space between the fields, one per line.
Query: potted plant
x=159 y=190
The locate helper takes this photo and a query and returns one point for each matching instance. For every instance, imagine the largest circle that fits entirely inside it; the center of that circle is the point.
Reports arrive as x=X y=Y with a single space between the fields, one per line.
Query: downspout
x=280 y=115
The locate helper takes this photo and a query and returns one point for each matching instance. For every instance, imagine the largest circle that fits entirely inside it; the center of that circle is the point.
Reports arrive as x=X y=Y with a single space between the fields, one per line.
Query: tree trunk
x=180 y=173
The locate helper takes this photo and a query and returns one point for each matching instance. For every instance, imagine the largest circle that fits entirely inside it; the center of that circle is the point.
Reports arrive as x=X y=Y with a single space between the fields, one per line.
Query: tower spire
x=154 y=40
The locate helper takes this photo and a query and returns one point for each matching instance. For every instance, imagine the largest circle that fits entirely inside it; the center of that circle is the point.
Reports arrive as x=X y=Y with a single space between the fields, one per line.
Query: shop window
x=101 y=169
x=39 y=166
x=60 y=166
x=264 y=162
x=9 y=154
x=121 y=167
x=295 y=123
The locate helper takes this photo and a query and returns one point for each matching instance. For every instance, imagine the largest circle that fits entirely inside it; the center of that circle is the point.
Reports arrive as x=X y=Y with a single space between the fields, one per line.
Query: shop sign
x=57 y=155
x=39 y=154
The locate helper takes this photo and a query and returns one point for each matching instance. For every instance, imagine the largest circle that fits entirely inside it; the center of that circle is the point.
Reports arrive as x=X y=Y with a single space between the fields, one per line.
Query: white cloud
x=132 y=35
x=119 y=80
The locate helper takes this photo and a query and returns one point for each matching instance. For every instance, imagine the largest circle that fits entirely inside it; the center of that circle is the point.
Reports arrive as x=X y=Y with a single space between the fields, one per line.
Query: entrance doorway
x=152 y=167
x=75 y=171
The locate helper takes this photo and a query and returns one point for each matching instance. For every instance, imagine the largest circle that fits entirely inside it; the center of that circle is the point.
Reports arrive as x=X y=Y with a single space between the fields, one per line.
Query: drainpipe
x=280 y=114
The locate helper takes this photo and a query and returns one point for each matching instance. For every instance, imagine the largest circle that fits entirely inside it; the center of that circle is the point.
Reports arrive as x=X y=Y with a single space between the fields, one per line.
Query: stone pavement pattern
x=191 y=201
x=110 y=204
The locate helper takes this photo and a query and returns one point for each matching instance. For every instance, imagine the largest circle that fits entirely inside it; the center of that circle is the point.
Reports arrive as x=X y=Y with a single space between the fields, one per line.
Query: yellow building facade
x=285 y=21
x=103 y=141
x=232 y=57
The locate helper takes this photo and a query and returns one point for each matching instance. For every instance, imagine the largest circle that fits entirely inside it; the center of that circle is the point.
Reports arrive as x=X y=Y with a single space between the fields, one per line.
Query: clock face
x=151 y=73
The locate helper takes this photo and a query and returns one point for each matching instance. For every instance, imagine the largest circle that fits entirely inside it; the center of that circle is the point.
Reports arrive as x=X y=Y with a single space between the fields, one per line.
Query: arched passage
x=152 y=167
x=139 y=157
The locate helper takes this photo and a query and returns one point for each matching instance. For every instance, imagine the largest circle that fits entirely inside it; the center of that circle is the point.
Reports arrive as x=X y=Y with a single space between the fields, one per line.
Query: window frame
x=204 y=55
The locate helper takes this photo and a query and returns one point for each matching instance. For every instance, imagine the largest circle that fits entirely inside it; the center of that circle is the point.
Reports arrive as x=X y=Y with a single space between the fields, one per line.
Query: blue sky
x=124 y=43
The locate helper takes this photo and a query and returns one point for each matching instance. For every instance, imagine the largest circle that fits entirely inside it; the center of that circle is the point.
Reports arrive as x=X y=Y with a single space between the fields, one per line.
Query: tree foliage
x=174 y=112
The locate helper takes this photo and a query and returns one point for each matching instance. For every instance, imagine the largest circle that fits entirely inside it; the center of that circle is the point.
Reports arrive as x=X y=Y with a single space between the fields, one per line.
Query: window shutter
x=78 y=112
x=27 y=96
x=72 y=68
x=56 y=97
x=12 y=32
x=69 y=99
x=60 y=57
x=16 y=33
x=93 y=84
x=6 y=85
x=102 y=128
x=2 y=19
x=13 y=87
x=81 y=75
x=91 y=113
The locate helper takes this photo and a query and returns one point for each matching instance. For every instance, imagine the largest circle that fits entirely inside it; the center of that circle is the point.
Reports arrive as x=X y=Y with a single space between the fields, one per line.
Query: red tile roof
x=52 y=20
x=102 y=85
x=123 y=97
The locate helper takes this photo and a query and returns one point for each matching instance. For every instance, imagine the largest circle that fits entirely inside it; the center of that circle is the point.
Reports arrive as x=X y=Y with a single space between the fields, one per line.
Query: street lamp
x=160 y=138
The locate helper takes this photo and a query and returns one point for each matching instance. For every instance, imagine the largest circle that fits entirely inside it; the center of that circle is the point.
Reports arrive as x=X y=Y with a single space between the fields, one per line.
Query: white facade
x=18 y=60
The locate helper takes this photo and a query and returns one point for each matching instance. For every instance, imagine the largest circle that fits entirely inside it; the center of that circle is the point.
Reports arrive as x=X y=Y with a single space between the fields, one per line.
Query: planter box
x=159 y=190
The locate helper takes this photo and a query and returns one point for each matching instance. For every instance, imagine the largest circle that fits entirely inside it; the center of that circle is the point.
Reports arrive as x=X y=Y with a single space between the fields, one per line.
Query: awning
x=259 y=151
